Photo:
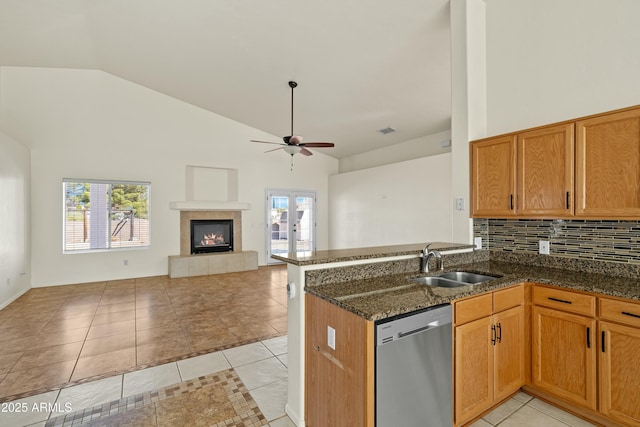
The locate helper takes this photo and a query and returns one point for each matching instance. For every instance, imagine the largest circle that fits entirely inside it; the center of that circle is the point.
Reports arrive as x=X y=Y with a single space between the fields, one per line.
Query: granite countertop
x=339 y=255
x=386 y=296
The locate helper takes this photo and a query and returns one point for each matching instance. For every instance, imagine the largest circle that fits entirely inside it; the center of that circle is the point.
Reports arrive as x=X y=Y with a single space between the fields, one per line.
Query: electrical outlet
x=478 y=242
x=331 y=337
x=544 y=247
x=126 y=262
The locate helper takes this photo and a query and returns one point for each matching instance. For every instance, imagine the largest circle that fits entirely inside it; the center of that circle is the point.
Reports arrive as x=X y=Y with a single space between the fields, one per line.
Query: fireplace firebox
x=211 y=235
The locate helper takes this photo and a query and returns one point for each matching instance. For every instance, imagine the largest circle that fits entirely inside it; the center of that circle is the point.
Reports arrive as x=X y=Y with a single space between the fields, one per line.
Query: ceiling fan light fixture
x=292 y=149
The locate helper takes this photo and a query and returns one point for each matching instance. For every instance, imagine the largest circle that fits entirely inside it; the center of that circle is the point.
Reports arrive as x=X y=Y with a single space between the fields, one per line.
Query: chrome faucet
x=426 y=256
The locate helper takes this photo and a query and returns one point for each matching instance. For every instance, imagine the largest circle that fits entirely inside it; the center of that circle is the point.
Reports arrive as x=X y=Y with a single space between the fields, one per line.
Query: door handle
x=493 y=334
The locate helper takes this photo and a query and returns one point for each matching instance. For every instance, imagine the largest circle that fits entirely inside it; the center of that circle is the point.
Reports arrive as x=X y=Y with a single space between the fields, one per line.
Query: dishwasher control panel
x=397 y=328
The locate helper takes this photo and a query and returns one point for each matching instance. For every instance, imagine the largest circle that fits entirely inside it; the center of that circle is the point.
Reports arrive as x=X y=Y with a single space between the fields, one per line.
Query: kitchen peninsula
x=337 y=266
x=374 y=283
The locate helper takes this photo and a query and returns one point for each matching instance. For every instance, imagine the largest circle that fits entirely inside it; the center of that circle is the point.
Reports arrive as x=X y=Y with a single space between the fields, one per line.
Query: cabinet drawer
x=565 y=300
x=620 y=311
x=508 y=298
x=473 y=308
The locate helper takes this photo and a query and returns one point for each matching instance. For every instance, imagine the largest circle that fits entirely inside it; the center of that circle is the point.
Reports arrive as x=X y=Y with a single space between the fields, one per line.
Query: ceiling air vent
x=387 y=130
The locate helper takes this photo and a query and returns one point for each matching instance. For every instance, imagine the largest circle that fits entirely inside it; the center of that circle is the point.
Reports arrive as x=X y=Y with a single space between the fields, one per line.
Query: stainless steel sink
x=454 y=279
x=439 y=282
x=466 y=277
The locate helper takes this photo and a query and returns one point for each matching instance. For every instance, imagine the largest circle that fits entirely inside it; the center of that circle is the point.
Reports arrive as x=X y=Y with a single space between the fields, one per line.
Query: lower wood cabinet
x=564 y=355
x=618 y=361
x=339 y=383
x=488 y=351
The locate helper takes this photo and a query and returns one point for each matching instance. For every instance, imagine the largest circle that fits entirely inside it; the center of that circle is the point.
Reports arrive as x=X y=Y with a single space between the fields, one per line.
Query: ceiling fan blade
x=318 y=144
x=275 y=149
x=305 y=152
x=267 y=142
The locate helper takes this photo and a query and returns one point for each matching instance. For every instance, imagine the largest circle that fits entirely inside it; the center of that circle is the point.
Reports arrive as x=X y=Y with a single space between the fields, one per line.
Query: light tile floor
x=258 y=365
x=523 y=410
x=261 y=368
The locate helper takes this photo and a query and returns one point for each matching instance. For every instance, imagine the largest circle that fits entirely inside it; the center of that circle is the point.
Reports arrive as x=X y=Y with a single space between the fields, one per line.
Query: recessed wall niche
x=211 y=184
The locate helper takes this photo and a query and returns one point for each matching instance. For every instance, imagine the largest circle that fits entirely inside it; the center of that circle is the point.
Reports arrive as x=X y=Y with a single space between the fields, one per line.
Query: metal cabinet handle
x=602 y=341
x=588 y=337
x=493 y=334
x=511 y=201
x=559 y=300
x=499 y=337
x=626 y=313
x=568 y=204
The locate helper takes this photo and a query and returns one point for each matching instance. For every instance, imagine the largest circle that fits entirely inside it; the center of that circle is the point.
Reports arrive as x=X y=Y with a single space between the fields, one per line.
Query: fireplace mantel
x=209 y=206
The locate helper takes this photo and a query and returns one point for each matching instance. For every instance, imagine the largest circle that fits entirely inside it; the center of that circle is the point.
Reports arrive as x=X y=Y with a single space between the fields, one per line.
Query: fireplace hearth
x=211 y=235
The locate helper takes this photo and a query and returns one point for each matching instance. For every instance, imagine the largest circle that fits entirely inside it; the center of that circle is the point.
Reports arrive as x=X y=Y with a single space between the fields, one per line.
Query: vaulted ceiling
x=361 y=65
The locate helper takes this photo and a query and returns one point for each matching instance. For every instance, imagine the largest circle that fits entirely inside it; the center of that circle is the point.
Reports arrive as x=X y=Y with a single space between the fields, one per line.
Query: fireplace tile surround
x=188 y=265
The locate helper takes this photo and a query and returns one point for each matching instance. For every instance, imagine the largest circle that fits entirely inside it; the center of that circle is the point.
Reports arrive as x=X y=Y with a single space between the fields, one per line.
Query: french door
x=291 y=222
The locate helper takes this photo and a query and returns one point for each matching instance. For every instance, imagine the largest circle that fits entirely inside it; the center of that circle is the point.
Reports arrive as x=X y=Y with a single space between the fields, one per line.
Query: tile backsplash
x=613 y=241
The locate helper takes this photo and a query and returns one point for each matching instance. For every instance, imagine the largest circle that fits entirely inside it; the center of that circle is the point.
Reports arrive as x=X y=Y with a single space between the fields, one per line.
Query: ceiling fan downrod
x=292 y=85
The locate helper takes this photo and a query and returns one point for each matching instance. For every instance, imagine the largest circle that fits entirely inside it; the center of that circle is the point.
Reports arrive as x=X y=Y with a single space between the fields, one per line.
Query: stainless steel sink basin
x=454 y=279
x=439 y=282
x=466 y=277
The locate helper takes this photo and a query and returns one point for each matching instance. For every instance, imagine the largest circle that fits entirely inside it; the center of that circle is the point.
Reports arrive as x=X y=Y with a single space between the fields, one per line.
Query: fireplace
x=211 y=235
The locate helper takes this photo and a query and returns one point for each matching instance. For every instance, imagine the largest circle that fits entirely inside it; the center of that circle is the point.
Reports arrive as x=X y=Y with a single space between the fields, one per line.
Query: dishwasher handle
x=416 y=331
x=396 y=329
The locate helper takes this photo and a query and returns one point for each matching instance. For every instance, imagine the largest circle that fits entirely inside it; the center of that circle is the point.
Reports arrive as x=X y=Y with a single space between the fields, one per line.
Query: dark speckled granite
x=376 y=298
x=339 y=255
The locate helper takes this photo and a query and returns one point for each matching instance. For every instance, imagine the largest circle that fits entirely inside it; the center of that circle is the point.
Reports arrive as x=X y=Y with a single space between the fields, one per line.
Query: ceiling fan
x=293 y=143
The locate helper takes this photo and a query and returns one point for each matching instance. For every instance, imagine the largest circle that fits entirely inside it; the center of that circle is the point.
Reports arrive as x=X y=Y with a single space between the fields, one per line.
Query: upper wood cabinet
x=528 y=174
x=608 y=165
x=586 y=168
x=493 y=183
x=545 y=171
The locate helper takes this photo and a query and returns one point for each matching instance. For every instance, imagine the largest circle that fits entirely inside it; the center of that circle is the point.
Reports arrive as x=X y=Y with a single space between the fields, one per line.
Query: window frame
x=110 y=183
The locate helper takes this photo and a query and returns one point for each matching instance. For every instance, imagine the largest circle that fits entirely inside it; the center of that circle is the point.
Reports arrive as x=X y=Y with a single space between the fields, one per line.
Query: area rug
x=217 y=400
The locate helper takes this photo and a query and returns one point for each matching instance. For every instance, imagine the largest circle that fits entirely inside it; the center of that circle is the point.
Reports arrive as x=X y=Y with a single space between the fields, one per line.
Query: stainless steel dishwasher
x=413 y=370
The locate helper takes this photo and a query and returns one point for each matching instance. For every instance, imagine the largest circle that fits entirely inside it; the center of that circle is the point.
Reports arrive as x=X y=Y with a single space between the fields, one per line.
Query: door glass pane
x=303 y=227
x=279 y=229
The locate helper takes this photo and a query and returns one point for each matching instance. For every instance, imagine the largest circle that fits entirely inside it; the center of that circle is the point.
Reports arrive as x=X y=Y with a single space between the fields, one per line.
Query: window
x=104 y=215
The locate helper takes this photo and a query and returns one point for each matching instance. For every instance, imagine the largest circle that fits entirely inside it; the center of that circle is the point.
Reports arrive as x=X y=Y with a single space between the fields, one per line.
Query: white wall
x=424 y=146
x=405 y=202
x=14 y=219
x=550 y=60
x=468 y=103
x=90 y=124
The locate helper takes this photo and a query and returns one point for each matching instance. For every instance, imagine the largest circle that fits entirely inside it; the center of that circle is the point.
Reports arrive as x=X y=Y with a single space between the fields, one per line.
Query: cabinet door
x=564 y=356
x=508 y=357
x=545 y=172
x=608 y=165
x=473 y=369
x=493 y=185
x=620 y=373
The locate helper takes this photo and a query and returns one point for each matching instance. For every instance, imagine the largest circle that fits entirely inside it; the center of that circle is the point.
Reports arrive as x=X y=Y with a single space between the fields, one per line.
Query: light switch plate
x=478 y=242
x=331 y=337
x=544 y=247
x=460 y=203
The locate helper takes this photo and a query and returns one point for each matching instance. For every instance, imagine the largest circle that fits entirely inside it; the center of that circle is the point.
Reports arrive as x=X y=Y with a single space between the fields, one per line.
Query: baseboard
x=294 y=417
x=6 y=303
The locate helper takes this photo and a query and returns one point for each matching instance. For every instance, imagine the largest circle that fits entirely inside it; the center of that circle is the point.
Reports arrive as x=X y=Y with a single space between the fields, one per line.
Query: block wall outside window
x=103 y=215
